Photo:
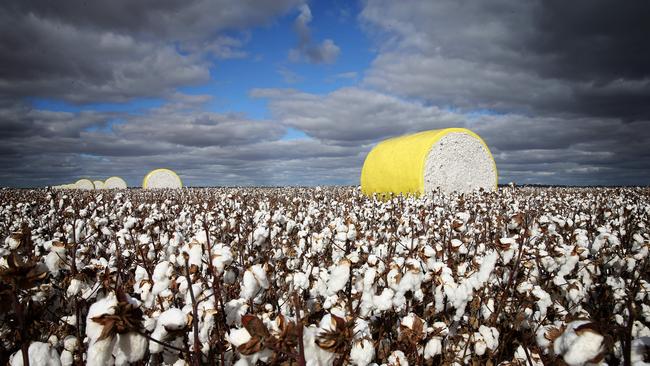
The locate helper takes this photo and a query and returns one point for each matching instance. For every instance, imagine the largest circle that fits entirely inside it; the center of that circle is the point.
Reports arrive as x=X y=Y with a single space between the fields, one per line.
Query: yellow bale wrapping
x=397 y=165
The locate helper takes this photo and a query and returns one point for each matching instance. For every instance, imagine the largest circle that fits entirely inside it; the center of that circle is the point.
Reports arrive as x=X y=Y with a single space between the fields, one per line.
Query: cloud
x=289 y=76
x=206 y=148
x=540 y=57
x=352 y=116
x=325 y=52
x=117 y=51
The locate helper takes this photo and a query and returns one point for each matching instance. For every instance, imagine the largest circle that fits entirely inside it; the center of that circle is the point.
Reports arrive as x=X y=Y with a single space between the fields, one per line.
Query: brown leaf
x=587 y=327
x=254 y=345
x=254 y=326
x=23 y=275
x=552 y=333
x=338 y=339
x=127 y=317
x=108 y=323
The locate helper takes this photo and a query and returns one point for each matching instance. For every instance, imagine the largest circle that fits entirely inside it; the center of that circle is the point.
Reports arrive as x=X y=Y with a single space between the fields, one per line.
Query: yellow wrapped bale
x=451 y=159
x=84 y=184
x=115 y=183
x=162 y=178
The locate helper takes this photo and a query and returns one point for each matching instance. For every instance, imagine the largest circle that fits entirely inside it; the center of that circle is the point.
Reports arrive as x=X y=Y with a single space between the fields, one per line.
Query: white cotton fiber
x=39 y=353
x=459 y=162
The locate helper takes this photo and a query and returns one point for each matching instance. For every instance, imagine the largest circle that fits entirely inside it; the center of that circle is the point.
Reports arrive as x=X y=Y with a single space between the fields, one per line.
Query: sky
x=293 y=92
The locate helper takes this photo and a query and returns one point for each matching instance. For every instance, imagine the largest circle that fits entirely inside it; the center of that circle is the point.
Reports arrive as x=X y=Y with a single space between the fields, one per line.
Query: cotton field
x=324 y=276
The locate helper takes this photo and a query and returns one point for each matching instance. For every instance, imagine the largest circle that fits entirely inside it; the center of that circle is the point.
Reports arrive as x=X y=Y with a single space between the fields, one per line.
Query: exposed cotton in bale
x=162 y=178
x=98 y=184
x=84 y=184
x=451 y=159
x=114 y=183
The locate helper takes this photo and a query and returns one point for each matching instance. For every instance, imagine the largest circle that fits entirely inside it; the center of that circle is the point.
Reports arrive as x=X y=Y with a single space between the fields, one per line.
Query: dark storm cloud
x=579 y=57
x=593 y=40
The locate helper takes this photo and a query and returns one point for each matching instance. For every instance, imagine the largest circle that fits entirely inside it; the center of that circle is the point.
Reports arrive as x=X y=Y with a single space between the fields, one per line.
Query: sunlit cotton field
x=324 y=276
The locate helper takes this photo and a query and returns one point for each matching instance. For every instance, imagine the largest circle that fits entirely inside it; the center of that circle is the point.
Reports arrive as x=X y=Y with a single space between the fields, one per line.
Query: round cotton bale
x=161 y=178
x=98 y=184
x=64 y=186
x=451 y=159
x=84 y=184
x=114 y=183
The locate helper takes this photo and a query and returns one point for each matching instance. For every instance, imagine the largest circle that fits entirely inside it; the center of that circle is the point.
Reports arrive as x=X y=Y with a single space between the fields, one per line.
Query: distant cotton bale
x=162 y=178
x=114 y=183
x=98 y=184
x=84 y=184
x=452 y=159
x=65 y=186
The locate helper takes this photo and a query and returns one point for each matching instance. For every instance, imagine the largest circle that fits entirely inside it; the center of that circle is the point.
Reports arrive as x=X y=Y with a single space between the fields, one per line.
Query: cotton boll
x=94 y=329
x=129 y=347
x=170 y=320
x=393 y=277
x=433 y=348
x=237 y=337
x=527 y=357
x=70 y=343
x=13 y=242
x=565 y=269
x=300 y=281
x=352 y=232
x=254 y=280
x=491 y=336
x=235 y=309
x=361 y=328
x=67 y=358
x=74 y=287
x=260 y=235
x=39 y=353
x=161 y=278
x=195 y=254
x=339 y=277
x=221 y=257
x=314 y=355
x=412 y=278
x=480 y=346
x=384 y=301
x=487 y=308
x=362 y=352
x=397 y=358
x=100 y=352
x=639 y=351
x=55 y=259
x=70 y=320
x=544 y=301
x=578 y=345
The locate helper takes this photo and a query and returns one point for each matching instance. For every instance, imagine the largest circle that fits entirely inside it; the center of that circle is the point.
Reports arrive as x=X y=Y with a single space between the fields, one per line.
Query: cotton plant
x=112 y=327
x=441 y=278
